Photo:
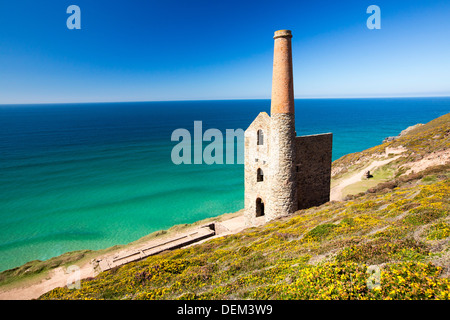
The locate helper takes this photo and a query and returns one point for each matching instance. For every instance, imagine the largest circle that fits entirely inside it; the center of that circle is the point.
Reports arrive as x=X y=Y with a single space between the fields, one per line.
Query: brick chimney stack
x=282 y=175
x=282 y=79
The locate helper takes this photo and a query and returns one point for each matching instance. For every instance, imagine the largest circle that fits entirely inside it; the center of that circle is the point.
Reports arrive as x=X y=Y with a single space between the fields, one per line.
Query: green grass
x=439 y=231
x=320 y=232
x=430 y=179
x=381 y=174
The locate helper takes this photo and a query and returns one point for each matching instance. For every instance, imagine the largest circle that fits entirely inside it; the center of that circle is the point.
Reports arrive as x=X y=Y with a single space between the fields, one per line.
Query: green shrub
x=320 y=232
x=439 y=231
x=383 y=250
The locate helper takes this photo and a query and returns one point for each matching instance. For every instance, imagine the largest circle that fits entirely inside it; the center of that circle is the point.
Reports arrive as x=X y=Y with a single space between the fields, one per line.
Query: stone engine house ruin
x=283 y=173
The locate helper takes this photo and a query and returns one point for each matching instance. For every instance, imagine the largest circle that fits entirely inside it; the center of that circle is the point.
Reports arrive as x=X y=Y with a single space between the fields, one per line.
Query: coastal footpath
x=397 y=220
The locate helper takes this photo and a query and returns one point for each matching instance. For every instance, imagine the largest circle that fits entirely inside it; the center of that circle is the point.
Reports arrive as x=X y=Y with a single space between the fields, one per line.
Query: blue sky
x=145 y=50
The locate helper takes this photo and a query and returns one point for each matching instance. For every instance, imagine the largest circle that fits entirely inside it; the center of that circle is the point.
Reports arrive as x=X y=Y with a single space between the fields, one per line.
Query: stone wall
x=256 y=156
x=313 y=169
x=297 y=170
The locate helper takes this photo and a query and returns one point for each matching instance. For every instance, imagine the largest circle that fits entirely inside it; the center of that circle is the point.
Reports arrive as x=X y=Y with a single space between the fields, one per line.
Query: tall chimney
x=283 y=178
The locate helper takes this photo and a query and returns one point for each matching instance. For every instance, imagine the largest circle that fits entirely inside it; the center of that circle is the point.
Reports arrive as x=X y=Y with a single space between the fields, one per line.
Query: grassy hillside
x=400 y=227
x=419 y=142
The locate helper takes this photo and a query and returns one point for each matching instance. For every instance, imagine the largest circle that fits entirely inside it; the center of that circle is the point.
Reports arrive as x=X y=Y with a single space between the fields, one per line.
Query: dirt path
x=58 y=277
x=433 y=159
x=336 y=191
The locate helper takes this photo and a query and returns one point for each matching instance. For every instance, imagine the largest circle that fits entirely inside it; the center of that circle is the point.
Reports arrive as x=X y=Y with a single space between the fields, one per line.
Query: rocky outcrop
x=404 y=132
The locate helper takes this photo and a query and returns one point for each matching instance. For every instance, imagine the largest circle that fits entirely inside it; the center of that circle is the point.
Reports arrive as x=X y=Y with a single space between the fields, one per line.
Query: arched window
x=260 y=137
x=259 y=207
x=259 y=175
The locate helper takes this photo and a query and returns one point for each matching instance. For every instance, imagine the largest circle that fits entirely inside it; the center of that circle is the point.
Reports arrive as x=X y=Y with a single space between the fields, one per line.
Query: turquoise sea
x=90 y=176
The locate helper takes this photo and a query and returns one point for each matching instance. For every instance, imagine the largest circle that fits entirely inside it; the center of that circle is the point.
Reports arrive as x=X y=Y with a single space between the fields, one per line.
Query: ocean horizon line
x=231 y=99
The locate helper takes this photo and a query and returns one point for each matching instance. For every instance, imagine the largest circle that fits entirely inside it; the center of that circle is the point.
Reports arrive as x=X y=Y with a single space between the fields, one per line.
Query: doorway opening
x=259 y=207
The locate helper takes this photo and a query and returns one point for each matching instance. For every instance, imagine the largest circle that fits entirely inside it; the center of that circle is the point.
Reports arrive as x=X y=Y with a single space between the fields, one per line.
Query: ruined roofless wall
x=313 y=166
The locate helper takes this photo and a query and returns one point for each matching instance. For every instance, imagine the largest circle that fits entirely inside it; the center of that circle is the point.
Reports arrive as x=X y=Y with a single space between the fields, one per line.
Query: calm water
x=89 y=176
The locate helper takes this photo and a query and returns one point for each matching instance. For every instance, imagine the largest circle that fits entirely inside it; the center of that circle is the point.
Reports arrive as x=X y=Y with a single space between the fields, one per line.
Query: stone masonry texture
x=283 y=173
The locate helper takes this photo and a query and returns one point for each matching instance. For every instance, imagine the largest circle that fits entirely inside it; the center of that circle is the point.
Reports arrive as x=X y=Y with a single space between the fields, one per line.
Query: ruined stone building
x=283 y=173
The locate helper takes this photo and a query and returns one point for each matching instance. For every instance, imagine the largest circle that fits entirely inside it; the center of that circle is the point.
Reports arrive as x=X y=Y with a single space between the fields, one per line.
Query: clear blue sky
x=146 y=50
